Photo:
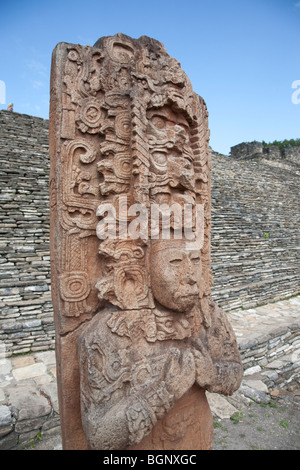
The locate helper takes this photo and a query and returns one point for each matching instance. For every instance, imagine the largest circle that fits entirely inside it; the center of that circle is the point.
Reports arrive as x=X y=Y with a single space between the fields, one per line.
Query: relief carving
x=140 y=338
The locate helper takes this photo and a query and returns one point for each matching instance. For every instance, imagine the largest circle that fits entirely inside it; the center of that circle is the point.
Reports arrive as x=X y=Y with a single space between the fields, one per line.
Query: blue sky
x=242 y=56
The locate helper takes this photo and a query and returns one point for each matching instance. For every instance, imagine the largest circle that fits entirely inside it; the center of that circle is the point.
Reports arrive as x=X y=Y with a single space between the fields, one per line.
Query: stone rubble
x=28 y=399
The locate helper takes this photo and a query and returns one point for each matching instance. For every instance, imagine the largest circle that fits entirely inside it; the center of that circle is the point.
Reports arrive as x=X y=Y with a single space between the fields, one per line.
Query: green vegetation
x=31 y=442
x=284 y=423
x=255 y=447
x=236 y=417
x=283 y=144
x=271 y=404
x=217 y=425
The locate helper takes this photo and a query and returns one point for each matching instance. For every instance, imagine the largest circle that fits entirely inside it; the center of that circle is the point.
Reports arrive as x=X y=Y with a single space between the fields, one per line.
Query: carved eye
x=196 y=260
x=73 y=55
x=176 y=261
x=159 y=158
x=108 y=154
x=116 y=366
x=187 y=164
x=126 y=166
x=159 y=122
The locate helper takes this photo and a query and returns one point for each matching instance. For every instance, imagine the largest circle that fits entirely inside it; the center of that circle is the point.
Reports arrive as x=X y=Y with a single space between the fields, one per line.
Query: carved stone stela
x=138 y=337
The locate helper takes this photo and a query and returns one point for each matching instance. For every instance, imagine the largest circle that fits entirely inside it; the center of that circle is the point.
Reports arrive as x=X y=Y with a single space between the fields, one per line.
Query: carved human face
x=175 y=276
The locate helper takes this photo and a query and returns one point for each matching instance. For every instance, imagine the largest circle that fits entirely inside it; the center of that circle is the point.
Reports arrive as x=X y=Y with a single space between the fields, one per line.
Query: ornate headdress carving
x=134 y=133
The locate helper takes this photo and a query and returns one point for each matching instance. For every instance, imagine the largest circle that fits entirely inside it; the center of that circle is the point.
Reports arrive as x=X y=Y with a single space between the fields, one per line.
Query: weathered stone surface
x=219 y=406
x=28 y=402
x=2 y=396
x=139 y=337
x=29 y=425
x=50 y=391
x=256 y=384
x=9 y=441
x=252 y=370
x=255 y=394
x=22 y=361
x=186 y=425
x=5 y=366
x=4 y=430
x=30 y=371
x=5 y=416
x=47 y=357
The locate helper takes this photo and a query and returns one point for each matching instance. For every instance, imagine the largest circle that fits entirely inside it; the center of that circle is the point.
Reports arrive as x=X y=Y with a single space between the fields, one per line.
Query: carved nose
x=188 y=274
x=190 y=280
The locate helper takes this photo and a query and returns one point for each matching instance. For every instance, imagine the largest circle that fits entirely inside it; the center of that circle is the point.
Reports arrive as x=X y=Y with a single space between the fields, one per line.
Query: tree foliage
x=283 y=144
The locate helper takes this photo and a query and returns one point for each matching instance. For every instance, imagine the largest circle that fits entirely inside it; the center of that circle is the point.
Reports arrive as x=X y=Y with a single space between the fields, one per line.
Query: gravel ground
x=275 y=426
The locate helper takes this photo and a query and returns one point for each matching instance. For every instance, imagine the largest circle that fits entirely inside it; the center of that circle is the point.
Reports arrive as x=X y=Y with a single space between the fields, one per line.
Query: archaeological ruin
x=255 y=241
x=111 y=105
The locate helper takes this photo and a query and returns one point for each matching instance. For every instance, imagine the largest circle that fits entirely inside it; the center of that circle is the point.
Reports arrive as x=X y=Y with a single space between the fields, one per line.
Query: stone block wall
x=26 y=319
x=255 y=236
x=246 y=149
x=257 y=149
x=292 y=154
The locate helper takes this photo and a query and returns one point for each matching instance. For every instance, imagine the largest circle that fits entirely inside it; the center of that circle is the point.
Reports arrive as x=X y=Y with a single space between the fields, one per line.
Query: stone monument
x=138 y=337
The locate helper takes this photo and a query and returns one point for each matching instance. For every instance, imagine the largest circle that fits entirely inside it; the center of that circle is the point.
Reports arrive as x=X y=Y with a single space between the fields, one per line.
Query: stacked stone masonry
x=255 y=240
x=255 y=236
x=26 y=320
x=271 y=152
